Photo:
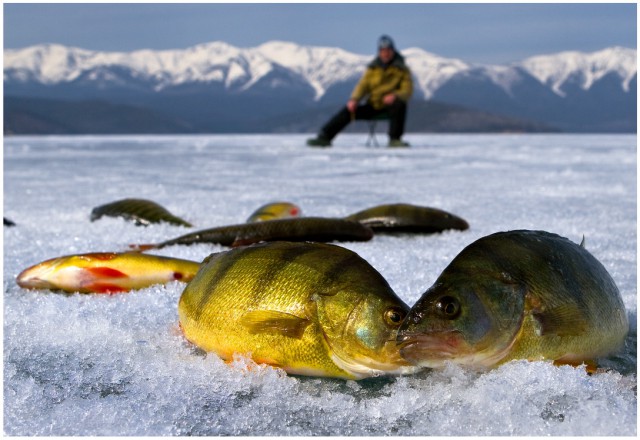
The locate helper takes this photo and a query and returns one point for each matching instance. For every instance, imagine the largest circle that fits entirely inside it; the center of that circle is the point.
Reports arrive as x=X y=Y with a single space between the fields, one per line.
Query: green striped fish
x=309 y=308
x=517 y=295
x=142 y=212
x=403 y=217
x=290 y=229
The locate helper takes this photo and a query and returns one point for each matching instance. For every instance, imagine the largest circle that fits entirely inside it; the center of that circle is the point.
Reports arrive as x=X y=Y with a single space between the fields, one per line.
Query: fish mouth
x=31 y=281
x=429 y=350
x=38 y=276
x=384 y=361
x=363 y=366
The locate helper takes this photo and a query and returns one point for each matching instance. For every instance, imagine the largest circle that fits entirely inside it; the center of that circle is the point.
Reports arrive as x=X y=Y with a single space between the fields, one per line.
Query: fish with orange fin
x=106 y=272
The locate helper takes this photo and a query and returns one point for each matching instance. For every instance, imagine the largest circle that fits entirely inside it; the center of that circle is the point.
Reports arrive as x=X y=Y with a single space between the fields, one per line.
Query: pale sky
x=474 y=32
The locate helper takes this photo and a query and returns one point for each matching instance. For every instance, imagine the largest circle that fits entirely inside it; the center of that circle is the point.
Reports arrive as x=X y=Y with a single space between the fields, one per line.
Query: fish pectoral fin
x=565 y=320
x=271 y=321
x=105 y=272
x=590 y=366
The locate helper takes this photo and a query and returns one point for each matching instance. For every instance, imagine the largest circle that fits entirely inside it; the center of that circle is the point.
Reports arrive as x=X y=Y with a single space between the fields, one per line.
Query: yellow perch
x=517 y=295
x=275 y=210
x=106 y=272
x=309 y=308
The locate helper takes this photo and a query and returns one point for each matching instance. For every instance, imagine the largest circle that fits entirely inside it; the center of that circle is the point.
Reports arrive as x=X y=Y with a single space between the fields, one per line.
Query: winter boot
x=398 y=143
x=319 y=141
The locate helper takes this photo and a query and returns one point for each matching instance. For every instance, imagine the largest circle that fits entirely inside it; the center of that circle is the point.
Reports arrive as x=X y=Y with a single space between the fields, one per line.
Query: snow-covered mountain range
x=570 y=89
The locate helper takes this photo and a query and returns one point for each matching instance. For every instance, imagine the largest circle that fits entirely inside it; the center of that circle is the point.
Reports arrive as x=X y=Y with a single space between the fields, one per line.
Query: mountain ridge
x=59 y=63
x=543 y=88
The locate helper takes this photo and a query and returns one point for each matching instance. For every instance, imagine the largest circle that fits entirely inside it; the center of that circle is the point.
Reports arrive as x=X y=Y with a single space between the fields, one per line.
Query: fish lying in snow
x=106 y=272
x=516 y=295
x=274 y=211
x=308 y=308
x=403 y=217
x=290 y=229
x=142 y=212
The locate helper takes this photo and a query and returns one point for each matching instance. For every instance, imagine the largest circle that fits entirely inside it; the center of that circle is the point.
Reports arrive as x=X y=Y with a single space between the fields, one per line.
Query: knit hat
x=385 y=42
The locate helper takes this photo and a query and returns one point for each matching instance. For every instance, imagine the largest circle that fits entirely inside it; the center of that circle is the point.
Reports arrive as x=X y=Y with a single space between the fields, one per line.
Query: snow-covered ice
x=118 y=365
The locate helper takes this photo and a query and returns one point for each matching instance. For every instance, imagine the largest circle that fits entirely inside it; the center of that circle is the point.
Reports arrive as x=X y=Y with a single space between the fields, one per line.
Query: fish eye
x=394 y=316
x=448 y=307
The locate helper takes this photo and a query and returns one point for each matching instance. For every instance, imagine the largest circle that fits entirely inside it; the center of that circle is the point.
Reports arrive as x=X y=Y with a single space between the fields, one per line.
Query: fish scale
x=308 y=308
x=243 y=273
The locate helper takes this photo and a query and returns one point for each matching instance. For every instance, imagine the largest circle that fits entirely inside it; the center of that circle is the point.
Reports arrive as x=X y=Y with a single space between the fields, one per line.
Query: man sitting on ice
x=387 y=84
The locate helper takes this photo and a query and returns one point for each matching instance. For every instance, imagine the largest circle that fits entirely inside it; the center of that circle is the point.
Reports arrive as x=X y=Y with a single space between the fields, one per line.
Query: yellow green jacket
x=379 y=81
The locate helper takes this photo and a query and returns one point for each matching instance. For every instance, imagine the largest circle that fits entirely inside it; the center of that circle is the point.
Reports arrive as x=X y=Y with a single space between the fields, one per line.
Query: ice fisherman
x=387 y=85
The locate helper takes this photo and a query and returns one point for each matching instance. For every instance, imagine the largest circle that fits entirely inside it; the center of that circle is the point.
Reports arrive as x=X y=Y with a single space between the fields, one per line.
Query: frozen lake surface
x=118 y=365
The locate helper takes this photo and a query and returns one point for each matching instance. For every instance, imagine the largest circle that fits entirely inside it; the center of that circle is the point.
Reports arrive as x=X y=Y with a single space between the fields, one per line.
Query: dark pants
x=396 y=113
